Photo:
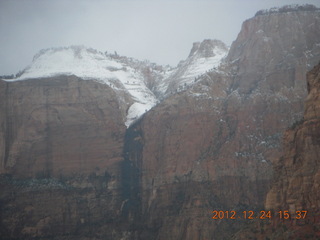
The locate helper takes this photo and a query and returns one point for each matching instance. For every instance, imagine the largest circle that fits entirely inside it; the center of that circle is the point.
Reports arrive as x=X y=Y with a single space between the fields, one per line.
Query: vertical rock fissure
x=131 y=175
x=48 y=153
x=7 y=127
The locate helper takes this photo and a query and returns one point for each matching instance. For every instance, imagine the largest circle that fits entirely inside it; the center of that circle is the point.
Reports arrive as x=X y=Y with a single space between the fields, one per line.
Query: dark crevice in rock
x=48 y=162
x=131 y=173
x=7 y=126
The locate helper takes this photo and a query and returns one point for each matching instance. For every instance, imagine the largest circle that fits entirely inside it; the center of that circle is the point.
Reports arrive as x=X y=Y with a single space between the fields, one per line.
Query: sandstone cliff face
x=90 y=207
x=272 y=47
x=296 y=178
x=208 y=147
x=220 y=136
x=61 y=126
x=297 y=173
x=61 y=142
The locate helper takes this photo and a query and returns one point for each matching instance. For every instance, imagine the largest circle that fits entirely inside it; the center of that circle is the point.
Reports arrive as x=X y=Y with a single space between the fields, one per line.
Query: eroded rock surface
x=61 y=158
x=295 y=188
x=71 y=170
x=220 y=136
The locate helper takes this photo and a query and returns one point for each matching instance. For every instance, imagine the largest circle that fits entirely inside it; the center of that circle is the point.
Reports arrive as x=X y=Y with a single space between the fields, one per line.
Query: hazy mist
x=161 y=31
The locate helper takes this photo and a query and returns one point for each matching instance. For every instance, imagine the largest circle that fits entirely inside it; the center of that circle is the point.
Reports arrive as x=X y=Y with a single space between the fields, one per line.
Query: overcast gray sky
x=161 y=31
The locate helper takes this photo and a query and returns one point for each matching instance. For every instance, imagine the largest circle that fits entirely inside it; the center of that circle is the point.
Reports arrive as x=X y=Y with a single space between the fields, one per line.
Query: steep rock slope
x=211 y=146
x=297 y=173
x=59 y=126
x=294 y=197
x=281 y=45
x=62 y=136
x=207 y=147
x=127 y=77
x=138 y=85
x=61 y=160
x=203 y=57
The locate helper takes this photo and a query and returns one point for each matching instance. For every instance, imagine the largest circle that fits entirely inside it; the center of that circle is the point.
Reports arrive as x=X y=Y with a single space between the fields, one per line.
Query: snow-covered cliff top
x=140 y=80
x=90 y=64
x=204 y=56
x=288 y=8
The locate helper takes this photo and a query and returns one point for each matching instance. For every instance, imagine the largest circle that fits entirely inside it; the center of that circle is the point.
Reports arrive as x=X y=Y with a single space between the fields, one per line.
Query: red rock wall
x=226 y=131
x=60 y=127
x=61 y=142
x=297 y=171
x=296 y=181
x=208 y=148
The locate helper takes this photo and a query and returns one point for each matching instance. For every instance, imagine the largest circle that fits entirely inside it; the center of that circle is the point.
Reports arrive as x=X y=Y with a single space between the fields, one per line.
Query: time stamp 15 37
x=258 y=214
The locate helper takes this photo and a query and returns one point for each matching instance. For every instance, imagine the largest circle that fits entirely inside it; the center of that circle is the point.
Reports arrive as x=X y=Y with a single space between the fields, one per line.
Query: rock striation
x=204 y=56
x=63 y=140
x=60 y=126
x=71 y=169
x=295 y=187
x=221 y=136
x=61 y=158
x=297 y=173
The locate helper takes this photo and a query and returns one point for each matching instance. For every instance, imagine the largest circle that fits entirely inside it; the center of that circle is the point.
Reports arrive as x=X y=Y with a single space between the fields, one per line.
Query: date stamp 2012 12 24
x=258 y=214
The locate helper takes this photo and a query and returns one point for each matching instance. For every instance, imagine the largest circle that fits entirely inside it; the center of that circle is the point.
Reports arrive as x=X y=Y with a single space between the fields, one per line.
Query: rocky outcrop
x=61 y=142
x=297 y=173
x=61 y=126
x=204 y=56
x=220 y=136
x=131 y=80
x=87 y=207
x=294 y=196
x=273 y=47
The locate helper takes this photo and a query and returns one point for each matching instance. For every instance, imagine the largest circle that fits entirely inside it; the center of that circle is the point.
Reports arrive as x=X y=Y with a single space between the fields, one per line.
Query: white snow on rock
x=204 y=64
x=288 y=9
x=79 y=61
x=89 y=64
x=126 y=75
x=205 y=56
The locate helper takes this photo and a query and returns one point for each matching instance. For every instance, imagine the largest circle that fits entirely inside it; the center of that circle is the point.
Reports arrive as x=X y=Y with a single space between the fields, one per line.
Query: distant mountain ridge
x=144 y=82
x=205 y=56
x=288 y=8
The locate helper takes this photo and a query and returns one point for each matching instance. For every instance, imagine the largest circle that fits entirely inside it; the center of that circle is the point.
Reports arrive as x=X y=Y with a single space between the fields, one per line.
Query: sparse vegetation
x=288 y=8
x=7 y=76
x=296 y=123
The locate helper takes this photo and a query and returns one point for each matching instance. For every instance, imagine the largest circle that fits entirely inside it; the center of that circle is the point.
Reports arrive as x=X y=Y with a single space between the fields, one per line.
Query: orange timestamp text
x=258 y=214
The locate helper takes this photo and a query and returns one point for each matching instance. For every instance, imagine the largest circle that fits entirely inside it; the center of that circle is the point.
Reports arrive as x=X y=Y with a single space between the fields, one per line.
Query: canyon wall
x=71 y=170
x=212 y=146
x=61 y=143
x=293 y=199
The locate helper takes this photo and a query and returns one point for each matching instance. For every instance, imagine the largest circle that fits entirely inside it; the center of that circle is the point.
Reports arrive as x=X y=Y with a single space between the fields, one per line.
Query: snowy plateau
x=145 y=83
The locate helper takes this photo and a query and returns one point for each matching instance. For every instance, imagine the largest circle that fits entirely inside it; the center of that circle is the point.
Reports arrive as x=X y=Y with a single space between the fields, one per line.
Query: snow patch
x=90 y=64
x=197 y=64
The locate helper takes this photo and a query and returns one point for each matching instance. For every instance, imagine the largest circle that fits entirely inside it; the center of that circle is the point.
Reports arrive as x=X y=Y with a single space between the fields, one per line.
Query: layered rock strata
x=211 y=147
x=61 y=145
x=293 y=199
x=71 y=170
